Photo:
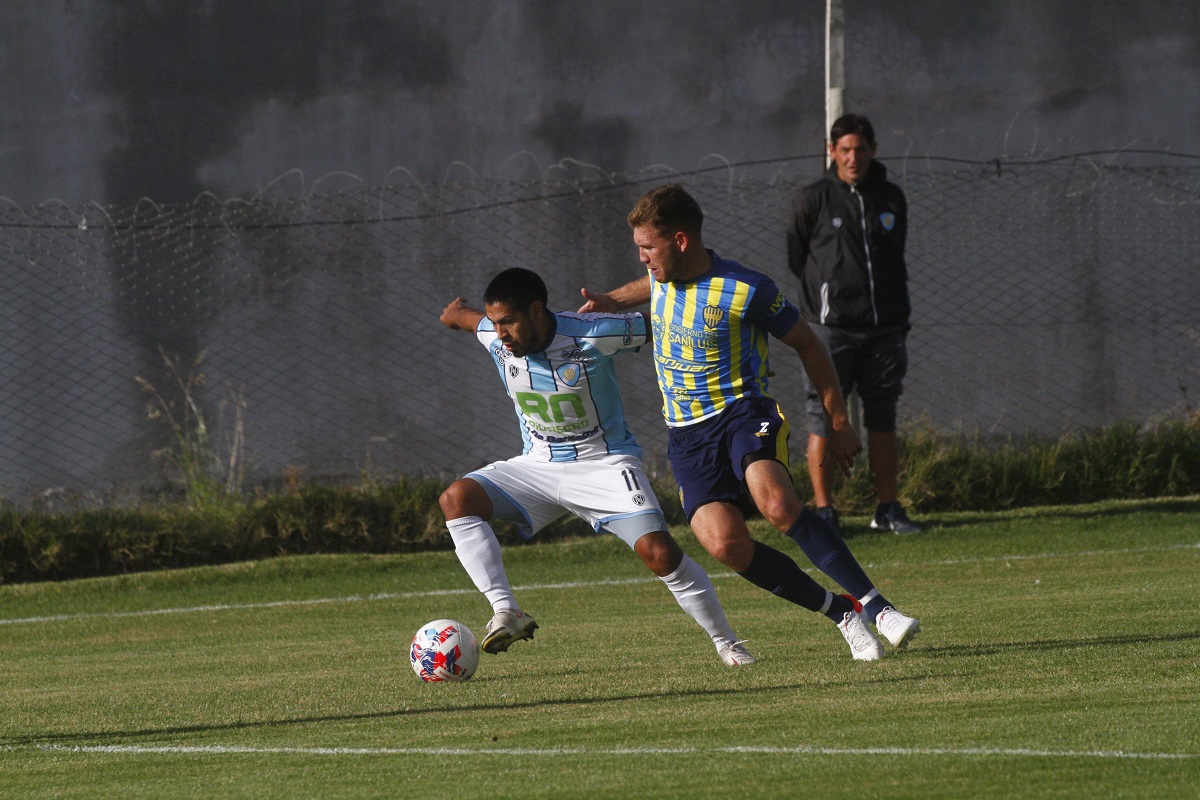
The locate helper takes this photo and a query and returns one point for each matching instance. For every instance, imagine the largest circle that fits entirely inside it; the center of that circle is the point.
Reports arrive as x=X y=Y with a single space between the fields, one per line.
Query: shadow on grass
x=1049 y=645
x=108 y=737
x=935 y=521
x=936 y=652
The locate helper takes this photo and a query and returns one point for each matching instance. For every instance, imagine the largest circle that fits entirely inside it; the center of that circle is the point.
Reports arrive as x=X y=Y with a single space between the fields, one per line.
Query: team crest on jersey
x=836 y=222
x=888 y=219
x=712 y=316
x=513 y=371
x=569 y=374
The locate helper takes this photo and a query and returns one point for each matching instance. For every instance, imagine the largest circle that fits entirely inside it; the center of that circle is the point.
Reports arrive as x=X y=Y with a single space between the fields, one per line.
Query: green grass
x=1059 y=658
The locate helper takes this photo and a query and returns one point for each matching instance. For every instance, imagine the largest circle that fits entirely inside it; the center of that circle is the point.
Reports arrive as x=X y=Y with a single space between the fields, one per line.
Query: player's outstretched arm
x=459 y=316
x=844 y=442
x=631 y=294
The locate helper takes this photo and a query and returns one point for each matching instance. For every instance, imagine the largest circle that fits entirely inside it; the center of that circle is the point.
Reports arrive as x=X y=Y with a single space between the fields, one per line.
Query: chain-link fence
x=1048 y=296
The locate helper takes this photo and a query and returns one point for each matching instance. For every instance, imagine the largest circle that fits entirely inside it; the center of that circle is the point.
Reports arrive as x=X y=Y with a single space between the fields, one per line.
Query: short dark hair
x=517 y=287
x=667 y=207
x=852 y=123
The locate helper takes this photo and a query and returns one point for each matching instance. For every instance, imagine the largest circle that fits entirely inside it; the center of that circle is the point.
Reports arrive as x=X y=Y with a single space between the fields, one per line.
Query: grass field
x=1060 y=657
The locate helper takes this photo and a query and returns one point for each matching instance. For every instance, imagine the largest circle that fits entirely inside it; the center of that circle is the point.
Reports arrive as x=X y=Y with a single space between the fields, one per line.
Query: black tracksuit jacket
x=846 y=244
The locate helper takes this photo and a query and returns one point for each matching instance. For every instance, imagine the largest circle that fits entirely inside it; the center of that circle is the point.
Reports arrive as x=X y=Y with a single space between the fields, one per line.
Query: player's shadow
x=1189 y=505
x=101 y=737
x=1049 y=645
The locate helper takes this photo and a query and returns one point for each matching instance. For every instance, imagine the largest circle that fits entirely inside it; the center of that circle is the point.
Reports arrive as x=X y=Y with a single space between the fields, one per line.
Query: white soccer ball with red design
x=444 y=650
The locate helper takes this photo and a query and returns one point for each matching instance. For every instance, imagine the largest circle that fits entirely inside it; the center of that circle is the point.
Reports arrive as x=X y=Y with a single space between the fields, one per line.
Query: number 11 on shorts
x=631 y=481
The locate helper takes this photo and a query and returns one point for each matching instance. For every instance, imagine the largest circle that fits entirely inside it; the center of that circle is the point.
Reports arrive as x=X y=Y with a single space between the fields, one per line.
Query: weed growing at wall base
x=209 y=462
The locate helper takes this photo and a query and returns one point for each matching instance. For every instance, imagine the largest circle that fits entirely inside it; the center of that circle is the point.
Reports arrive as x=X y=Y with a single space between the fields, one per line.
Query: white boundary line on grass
x=355 y=598
x=362 y=598
x=602 y=751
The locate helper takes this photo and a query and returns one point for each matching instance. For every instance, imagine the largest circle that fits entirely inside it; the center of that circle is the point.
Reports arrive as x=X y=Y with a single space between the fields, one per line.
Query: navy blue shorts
x=710 y=456
x=872 y=360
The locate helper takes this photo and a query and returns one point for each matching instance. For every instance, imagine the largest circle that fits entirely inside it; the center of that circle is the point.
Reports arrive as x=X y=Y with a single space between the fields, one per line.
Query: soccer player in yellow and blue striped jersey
x=710 y=339
x=728 y=437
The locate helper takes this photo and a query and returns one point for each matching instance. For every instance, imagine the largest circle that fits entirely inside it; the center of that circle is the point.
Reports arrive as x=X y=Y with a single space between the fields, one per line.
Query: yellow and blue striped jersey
x=710 y=338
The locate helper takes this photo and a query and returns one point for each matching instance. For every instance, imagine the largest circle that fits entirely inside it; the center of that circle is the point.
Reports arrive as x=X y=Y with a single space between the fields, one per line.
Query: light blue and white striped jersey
x=566 y=396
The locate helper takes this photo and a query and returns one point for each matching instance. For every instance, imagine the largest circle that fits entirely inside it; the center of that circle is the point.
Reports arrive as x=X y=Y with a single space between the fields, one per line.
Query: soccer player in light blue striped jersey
x=579 y=455
x=728 y=437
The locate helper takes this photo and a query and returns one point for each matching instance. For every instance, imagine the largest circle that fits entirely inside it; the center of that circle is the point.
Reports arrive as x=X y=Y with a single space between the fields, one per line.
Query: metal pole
x=835 y=56
x=835 y=90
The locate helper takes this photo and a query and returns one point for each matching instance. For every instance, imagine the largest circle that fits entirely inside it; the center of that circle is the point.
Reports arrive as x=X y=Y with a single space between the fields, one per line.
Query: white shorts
x=610 y=494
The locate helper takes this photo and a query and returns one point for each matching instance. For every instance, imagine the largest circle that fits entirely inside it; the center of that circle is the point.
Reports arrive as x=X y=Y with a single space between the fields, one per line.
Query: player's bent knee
x=778 y=507
x=721 y=528
x=659 y=552
x=781 y=512
x=733 y=553
x=465 y=498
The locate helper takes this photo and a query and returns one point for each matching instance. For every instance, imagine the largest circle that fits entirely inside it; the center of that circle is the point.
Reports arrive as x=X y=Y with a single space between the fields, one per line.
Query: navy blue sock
x=821 y=543
x=781 y=576
x=874 y=605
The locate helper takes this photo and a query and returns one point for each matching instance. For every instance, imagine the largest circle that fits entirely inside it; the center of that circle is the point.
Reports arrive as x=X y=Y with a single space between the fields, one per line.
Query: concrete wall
x=105 y=104
x=115 y=101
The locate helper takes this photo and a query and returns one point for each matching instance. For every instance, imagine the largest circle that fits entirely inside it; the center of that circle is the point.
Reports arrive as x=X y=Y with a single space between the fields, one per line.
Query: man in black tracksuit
x=846 y=244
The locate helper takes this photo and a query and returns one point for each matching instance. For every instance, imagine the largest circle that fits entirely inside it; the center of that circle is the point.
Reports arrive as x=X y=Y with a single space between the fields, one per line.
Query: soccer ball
x=444 y=650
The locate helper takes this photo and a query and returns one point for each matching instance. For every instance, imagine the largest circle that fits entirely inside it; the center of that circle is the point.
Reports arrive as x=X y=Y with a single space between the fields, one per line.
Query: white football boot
x=506 y=627
x=863 y=644
x=896 y=627
x=735 y=654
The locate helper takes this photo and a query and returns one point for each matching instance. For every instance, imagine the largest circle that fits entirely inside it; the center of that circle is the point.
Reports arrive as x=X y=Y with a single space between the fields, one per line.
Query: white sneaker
x=735 y=654
x=863 y=644
x=506 y=627
x=898 y=628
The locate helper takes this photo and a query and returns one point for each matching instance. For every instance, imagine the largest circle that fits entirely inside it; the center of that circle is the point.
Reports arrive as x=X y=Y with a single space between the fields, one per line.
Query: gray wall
x=112 y=108
x=115 y=101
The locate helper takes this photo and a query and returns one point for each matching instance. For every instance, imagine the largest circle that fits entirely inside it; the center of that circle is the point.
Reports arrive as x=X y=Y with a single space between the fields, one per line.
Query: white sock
x=695 y=594
x=477 y=549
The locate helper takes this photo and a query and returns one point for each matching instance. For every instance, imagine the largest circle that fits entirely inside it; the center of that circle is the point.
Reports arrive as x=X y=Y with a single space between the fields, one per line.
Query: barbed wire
x=615 y=181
